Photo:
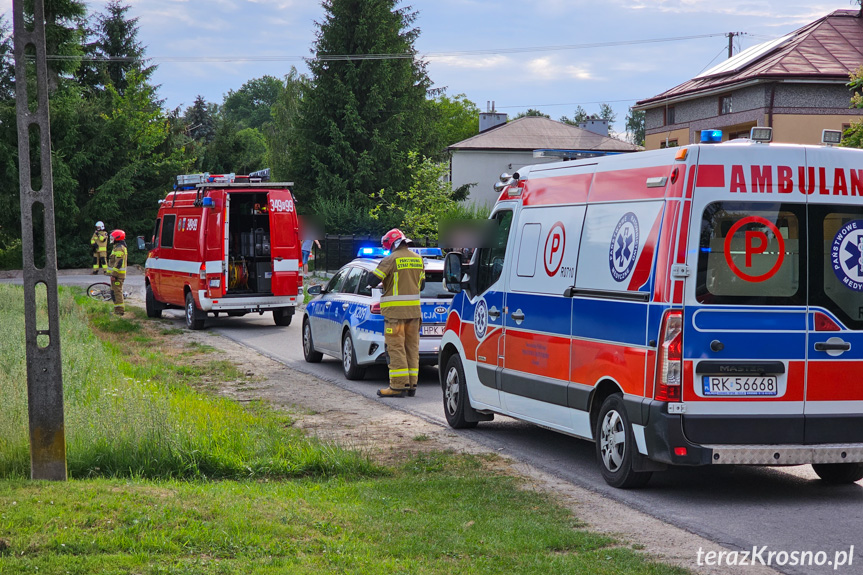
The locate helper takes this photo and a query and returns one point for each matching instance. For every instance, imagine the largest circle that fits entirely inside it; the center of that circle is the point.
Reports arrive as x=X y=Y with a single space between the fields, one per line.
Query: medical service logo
x=480 y=319
x=624 y=247
x=846 y=255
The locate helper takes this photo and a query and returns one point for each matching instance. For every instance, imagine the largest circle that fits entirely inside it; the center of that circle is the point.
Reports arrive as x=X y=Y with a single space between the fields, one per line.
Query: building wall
x=799 y=129
x=484 y=168
x=656 y=141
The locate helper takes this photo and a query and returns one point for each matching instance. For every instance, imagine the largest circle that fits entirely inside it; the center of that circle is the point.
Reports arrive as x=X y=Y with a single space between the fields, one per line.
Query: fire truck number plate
x=722 y=385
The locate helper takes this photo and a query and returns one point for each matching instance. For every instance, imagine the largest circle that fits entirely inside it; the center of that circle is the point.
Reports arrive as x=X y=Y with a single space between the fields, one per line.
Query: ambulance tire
x=154 y=309
x=455 y=397
x=194 y=316
x=349 y=359
x=309 y=353
x=283 y=315
x=838 y=473
x=615 y=444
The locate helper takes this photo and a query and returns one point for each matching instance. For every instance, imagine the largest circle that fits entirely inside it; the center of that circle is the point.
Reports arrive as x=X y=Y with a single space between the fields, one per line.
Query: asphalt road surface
x=779 y=509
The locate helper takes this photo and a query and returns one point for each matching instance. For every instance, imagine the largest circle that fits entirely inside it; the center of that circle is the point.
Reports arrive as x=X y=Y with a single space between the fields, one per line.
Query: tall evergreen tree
x=281 y=133
x=117 y=41
x=64 y=24
x=200 y=119
x=363 y=113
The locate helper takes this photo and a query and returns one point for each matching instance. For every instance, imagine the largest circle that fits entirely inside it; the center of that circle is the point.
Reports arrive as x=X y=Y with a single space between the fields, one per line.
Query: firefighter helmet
x=118 y=235
x=392 y=238
x=100 y=225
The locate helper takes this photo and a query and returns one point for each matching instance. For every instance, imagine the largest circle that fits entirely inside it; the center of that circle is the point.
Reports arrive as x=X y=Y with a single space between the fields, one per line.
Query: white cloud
x=547 y=69
x=470 y=62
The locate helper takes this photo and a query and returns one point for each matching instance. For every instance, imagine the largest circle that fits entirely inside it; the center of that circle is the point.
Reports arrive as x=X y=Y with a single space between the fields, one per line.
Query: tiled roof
x=827 y=49
x=537 y=133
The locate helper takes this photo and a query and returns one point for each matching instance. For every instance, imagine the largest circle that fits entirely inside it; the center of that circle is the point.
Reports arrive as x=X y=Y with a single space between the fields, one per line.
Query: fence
x=337 y=250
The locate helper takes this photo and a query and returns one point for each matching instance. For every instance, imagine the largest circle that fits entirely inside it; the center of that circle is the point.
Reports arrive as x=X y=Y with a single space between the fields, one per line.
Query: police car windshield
x=434 y=287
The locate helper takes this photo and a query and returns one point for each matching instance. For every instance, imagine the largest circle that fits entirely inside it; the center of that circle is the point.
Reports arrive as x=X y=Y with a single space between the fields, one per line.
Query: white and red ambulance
x=225 y=244
x=700 y=305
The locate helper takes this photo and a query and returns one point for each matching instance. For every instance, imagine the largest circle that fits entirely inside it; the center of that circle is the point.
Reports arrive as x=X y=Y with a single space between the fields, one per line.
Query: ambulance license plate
x=436 y=330
x=740 y=386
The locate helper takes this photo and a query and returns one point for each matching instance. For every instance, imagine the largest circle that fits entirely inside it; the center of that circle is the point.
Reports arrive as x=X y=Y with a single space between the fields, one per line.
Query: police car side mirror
x=313 y=290
x=452 y=272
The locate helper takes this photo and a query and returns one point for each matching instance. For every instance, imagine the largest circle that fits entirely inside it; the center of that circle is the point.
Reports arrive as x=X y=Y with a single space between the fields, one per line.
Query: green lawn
x=167 y=479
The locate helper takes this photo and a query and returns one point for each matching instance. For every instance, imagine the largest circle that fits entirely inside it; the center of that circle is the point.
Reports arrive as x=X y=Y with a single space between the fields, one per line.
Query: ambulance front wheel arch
x=615 y=445
x=456 y=402
x=838 y=473
x=194 y=317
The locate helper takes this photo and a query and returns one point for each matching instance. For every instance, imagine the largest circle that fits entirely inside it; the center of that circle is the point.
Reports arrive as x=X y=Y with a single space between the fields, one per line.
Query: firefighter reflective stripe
x=413 y=372
x=399 y=372
x=400 y=301
x=379 y=273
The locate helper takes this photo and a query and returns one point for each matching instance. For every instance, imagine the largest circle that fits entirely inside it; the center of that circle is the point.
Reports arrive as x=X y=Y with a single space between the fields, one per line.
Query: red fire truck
x=224 y=244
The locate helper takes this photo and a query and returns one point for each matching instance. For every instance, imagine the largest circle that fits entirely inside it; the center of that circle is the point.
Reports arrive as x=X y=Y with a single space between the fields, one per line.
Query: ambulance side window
x=749 y=254
x=168 y=231
x=836 y=261
x=491 y=256
x=526 y=266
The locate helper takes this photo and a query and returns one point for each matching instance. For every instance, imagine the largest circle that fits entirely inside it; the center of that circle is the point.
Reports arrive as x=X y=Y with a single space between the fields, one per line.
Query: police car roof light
x=428 y=252
x=711 y=136
x=373 y=253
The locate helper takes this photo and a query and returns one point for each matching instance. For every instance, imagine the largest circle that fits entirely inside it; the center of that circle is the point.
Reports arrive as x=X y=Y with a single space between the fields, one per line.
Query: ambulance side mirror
x=452 y=273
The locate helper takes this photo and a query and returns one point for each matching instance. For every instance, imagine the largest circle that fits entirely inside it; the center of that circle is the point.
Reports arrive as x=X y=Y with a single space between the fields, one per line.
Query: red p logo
x=751 y=248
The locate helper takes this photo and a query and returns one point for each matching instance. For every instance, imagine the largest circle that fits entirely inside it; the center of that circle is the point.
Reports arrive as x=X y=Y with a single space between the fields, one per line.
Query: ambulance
x=700 y=305
x=224 y=244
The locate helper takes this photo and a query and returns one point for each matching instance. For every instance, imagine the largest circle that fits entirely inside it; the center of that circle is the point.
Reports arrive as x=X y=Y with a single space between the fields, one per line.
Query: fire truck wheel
x=455 y=398
x=614 y=445
x=283 y=316
x=194 y=316
x=349 y=359
x=837 y=473
x=309 y=352
x=153 y=307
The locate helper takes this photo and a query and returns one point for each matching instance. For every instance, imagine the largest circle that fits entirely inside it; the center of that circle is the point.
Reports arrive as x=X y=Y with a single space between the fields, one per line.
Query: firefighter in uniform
x=402 y=275
x=117 y=269
x=99 y=247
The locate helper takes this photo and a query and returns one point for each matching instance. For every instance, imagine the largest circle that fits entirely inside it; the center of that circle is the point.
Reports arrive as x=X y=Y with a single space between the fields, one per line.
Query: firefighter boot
x=390 y=392
x=411 y=391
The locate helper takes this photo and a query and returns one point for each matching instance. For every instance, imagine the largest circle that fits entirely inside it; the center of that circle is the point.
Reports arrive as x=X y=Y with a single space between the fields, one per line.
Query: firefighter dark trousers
x=402 y=337
x=117 y=292
x=100 y=258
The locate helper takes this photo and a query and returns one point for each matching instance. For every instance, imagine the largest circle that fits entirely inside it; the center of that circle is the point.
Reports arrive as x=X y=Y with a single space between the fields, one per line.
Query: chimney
x=490 y=119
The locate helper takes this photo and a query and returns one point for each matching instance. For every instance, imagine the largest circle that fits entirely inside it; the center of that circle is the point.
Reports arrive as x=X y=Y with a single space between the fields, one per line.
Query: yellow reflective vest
x=99 y=242
x=117 y=262
x=403 y=274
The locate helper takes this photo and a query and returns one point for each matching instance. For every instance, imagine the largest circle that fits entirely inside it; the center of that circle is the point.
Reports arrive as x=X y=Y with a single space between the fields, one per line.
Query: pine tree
x=363 y=114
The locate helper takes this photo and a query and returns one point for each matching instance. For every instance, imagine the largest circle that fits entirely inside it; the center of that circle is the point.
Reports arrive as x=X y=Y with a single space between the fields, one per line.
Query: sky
x=552 y=55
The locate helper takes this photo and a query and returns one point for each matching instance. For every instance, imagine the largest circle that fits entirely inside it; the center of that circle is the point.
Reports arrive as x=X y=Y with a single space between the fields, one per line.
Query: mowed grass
x=168 y=480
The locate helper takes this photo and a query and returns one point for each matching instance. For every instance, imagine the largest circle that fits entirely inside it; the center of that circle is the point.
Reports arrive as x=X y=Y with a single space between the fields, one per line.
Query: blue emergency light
x=373 y=253
x=428 y=252
x=711 y=136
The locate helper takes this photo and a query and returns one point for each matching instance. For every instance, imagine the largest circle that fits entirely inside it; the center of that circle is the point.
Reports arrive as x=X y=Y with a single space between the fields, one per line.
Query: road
x=785 y=509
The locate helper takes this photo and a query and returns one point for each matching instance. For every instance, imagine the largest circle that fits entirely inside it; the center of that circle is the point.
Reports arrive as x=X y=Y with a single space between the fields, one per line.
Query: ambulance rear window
x=749 y=254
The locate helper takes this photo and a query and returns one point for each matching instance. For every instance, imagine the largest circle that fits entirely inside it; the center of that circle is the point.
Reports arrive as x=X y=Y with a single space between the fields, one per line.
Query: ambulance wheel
x=837 y=473
x=153 y=307
x=309 y=353
x=283 y=316
x=349 y=359
x=614 y=445
x=455 y=398
x=194 y=317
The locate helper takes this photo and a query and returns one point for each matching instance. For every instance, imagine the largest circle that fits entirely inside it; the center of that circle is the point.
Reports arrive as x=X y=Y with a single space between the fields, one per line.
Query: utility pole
x=44 y=367
x=731 y=36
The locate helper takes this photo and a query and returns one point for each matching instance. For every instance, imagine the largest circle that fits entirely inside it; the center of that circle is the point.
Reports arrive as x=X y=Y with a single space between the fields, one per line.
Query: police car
x=344 y=319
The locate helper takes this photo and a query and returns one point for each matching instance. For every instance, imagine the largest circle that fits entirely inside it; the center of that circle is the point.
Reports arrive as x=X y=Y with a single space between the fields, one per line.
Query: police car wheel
x=349 y=359
x=614 y=445
x=194 y=318
x=838 y=473
x=309 y=353
x=153 y=307
x=455 y=396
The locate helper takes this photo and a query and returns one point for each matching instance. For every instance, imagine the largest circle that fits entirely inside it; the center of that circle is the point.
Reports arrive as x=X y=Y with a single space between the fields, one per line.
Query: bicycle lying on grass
x=101 y=291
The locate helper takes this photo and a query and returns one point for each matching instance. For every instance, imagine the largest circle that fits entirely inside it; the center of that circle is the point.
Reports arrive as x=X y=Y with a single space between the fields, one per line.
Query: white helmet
x=100 y=225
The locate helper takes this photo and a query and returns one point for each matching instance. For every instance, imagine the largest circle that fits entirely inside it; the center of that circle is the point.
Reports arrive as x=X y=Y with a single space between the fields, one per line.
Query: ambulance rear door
x=284 y=242
x=745 y=315
x=834 y=383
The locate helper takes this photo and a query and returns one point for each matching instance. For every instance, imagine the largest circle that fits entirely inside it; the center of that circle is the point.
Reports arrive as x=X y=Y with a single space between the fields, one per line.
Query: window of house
x=668 y=144
x=725 y=104
x=669 y=115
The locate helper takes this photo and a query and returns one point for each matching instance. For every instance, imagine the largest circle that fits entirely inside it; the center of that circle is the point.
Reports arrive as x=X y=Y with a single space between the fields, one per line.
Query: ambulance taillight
x=669 y=373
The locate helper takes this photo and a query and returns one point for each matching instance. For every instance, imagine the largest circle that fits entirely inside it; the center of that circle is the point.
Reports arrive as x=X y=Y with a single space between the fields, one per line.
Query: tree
x=7 y=62
x=117 y=43
x=251 y=106
x=457 y=118
x=580 y=116
x=64 y=25
x=361 y=117
x=853 y=136
x=281 y=133
x=200 y=119
x=606 y=112
x=635 y=127
x=531 y=113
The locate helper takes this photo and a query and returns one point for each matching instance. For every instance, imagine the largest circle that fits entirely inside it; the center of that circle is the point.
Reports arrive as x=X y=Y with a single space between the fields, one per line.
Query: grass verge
x=287 y=505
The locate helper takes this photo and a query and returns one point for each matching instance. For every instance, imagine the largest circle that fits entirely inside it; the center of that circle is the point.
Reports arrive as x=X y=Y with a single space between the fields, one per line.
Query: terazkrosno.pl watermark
x=772 y=558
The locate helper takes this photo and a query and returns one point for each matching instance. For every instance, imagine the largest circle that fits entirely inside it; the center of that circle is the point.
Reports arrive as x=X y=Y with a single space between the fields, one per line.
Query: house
x=481 y=159
x=796 y=84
